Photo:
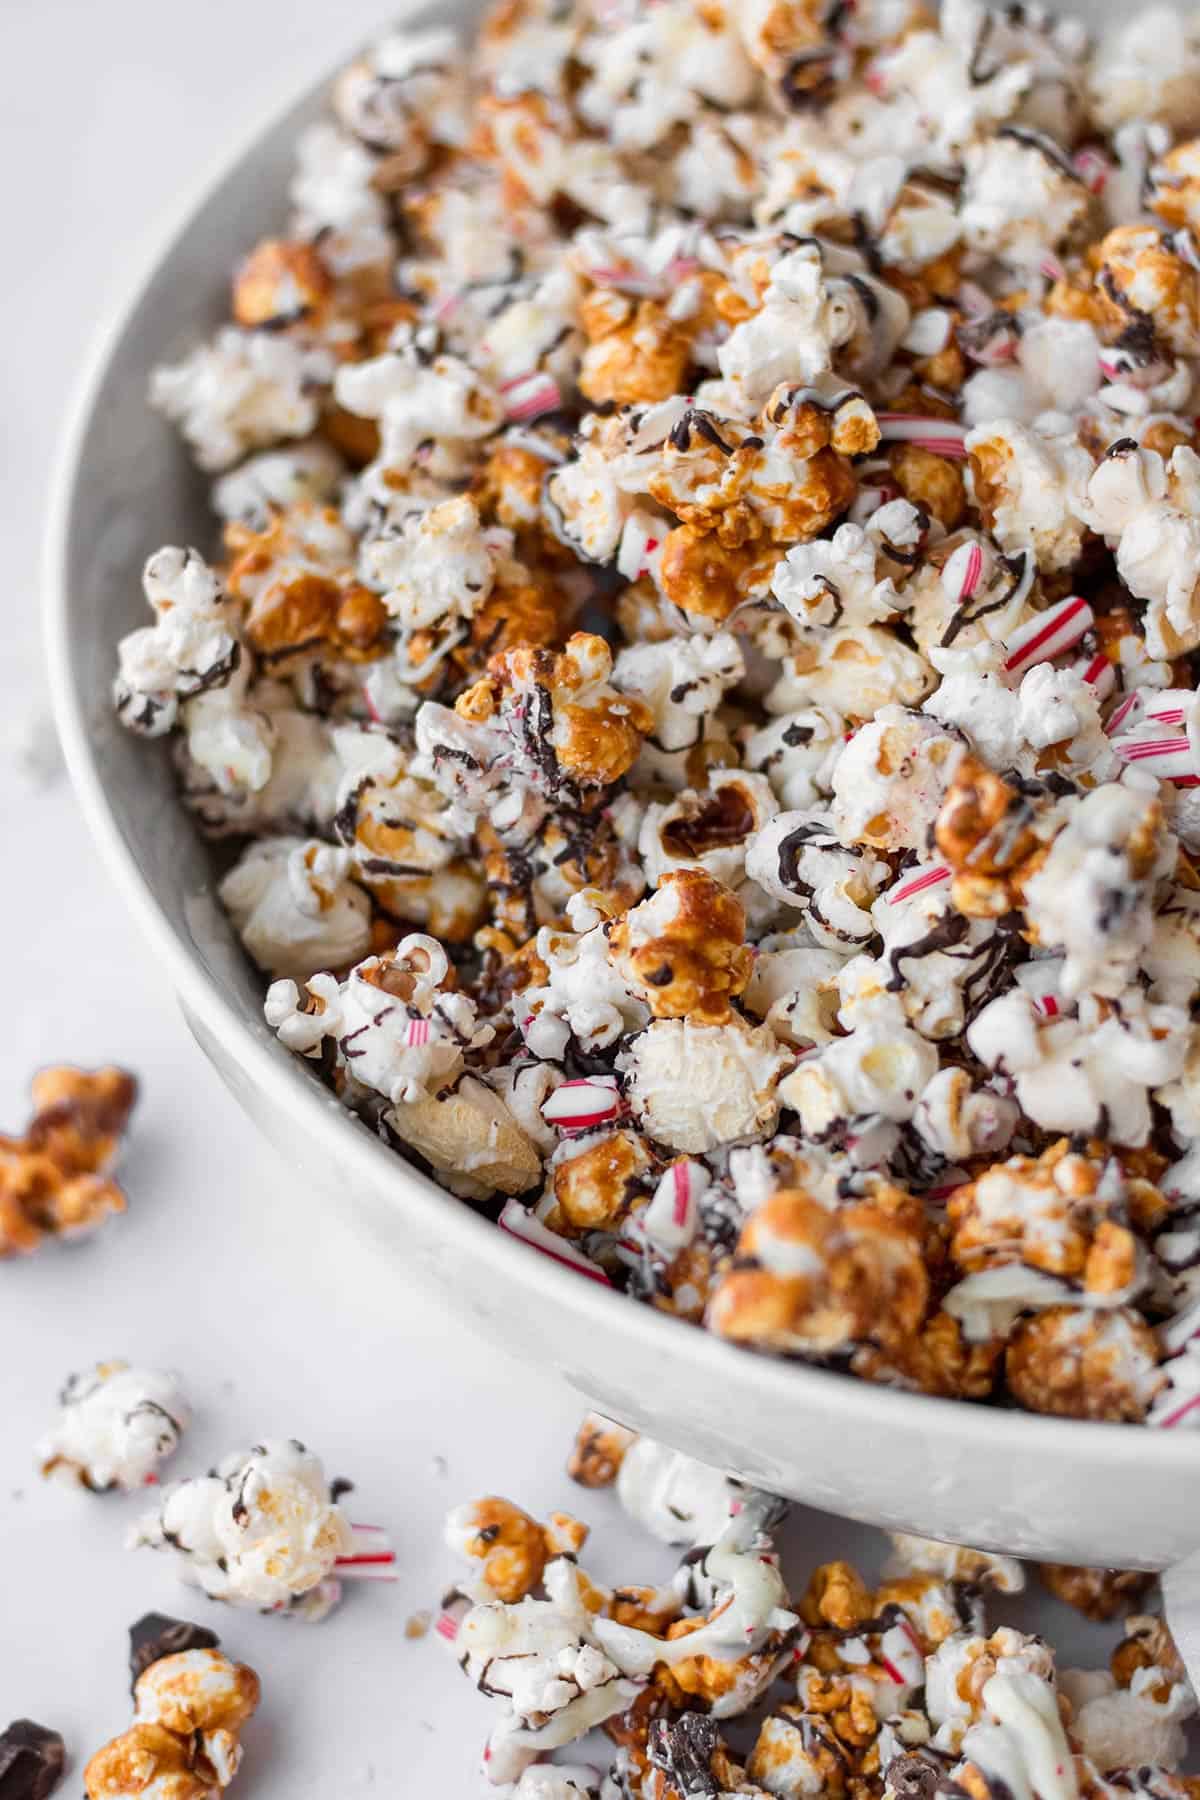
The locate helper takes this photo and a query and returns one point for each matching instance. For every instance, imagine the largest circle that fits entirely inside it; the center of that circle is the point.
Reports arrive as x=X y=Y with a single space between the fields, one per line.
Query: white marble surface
x=218 y=1268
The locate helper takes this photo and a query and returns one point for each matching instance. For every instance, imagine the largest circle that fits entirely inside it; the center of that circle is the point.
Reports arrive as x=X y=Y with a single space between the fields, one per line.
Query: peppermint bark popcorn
x=700 y=666
x=888 y=1686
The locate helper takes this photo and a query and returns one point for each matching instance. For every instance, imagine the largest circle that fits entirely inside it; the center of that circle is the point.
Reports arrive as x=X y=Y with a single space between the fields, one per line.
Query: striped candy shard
x=918 y=882
x=944 y=437
x=1170 y=758
x=518 y=1222
x=581 y=1105
x=1057 y=629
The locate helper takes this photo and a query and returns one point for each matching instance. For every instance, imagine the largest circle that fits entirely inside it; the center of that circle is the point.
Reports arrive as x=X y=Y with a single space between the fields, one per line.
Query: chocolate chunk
x=31 y=1761
x=154 y=1636
x=683 y=1749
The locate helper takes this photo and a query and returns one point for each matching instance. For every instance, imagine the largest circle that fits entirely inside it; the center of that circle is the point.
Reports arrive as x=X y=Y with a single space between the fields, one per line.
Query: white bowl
x=1062 y=1490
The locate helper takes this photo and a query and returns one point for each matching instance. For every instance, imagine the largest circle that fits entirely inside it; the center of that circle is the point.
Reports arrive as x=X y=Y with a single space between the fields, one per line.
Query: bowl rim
x=292 y=1092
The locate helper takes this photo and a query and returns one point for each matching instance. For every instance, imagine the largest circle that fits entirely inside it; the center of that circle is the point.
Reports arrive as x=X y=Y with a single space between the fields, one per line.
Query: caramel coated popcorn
x=862 y=1687
x=701 y=668
x=53 y=1179
x=185 y=1740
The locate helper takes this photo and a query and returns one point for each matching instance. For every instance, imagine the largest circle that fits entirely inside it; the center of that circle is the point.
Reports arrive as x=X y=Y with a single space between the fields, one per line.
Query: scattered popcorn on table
x=54 y=1180
x=263 y=1530
x=898 y=1688
x=116 y=1425
x=185 y=1740
x=701 y=659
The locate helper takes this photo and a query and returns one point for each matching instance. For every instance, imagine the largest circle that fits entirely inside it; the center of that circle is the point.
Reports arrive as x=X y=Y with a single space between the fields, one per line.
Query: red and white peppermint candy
x=518 y=1222
x=582 y=1105
x=943 y=436
x=917 y=882
x=529 y=396
x=451 y=1617
x=372 y=1557
x=1098 y=673
x=960 y=577
x=1057 y=629
x=417 y=1033
x=670 y=1220
x=1170 y=758
x=1120 y=714
x=1092 y=169
x=639 y=541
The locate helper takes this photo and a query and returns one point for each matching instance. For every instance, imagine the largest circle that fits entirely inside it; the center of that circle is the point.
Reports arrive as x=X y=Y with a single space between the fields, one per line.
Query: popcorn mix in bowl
x=699 y=673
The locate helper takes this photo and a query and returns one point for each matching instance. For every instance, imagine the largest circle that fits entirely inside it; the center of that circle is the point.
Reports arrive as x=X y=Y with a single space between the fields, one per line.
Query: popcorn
x=707 y=829
x=889 y=781
x=116 y=1425
x=275 y=480
x=697 y=1087
x=1060 y=1216
x=682 y=681
x=261 y=1531
x=190 y=650
x=600 y=1448
x=54 y=1180
x=554 y=718
x=1089 y=1073
x=540 y=1661
x=295 y=908
x=1147 y=73
x=878 y=1071
x=1022 y=196
x=242 y=392
x=397 y=1027
x=1028 y=487
x=414 y=393
x=817 y=1281
x=675 y=1498
x=798 y=861
x=185 y=1739
x=1092 y=894
x=728 y=1657
x=835 y=372
x=1082 y=1364
x=513 y=1548
x=682 y=952
x=1099 y=1594
x=402 y=94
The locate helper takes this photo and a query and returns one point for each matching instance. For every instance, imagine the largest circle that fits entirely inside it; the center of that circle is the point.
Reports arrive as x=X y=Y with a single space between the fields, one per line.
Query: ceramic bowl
x=1063 y=1490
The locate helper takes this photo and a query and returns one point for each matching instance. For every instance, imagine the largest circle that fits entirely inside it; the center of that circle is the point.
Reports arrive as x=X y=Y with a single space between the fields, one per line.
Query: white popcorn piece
x=261 y=1531
x=879 y=1070
x=1090 y=1073
x=295 y=908
x=698 y=1087
x=398 y=1029
x=242 y=392
x=192 y=647
x=1093 y=896
x=116 y=1424
x=416 y=392
x=672 y=1496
